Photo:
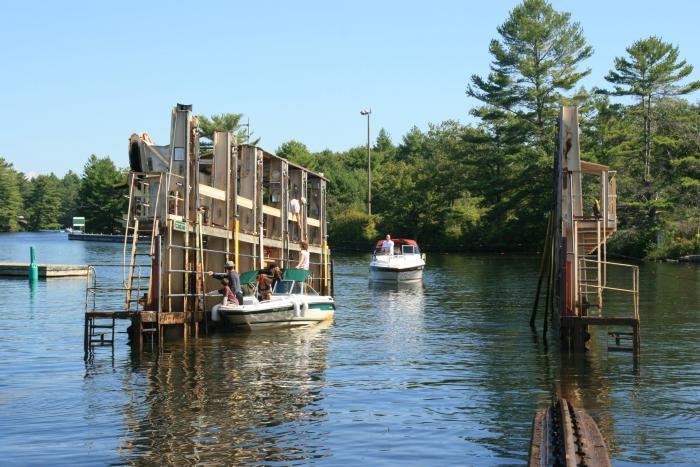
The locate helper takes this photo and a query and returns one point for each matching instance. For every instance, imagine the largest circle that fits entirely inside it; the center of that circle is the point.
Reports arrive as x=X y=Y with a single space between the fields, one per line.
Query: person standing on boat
x=233 y=279
x=388 y=245
x=276 y=274
x=264 y=286
x=304 y=259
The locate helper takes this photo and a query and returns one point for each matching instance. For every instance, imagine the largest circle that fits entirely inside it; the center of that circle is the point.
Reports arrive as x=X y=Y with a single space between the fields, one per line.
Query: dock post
x=33 y=268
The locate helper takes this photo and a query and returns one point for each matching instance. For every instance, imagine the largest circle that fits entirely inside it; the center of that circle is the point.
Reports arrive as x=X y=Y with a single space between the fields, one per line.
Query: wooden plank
x=245 y=202
x=593 y=168
x=175 y=317
x=313 y=222
x=45 y=270
x=271 y=211
x=107 y=314
x=211 y=192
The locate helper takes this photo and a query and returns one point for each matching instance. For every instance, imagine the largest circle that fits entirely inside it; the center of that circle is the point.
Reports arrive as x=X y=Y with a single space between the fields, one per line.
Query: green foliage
x=296 y=152
x=486 y=187
x=651 y=71
x=534 y=62
x=536 y=58
x=675 y=247
x=44 y=212
x=102 y=195
x=10 y=198
x=353 y=229
x=70 y=201
x=222 y=122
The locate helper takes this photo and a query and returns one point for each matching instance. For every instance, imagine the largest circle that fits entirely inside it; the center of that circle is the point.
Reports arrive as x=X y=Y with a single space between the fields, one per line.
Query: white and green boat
x=293 y=303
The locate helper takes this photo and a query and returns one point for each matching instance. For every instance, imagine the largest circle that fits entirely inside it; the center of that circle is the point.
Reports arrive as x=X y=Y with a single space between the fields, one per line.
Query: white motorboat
x=292 y=303
x=404 y=263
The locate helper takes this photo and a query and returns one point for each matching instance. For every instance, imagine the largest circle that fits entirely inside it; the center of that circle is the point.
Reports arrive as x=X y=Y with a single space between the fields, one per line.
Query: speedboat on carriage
x=293 y=303
x=404 y=263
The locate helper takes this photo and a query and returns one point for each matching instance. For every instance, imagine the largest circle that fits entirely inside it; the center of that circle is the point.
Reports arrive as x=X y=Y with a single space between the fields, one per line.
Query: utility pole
x=369 y=164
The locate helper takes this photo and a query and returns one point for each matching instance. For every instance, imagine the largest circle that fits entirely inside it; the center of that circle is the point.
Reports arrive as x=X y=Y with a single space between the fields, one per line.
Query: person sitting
x=229 y=297
x=388 y=246
x=233 y=279
x=264 y=286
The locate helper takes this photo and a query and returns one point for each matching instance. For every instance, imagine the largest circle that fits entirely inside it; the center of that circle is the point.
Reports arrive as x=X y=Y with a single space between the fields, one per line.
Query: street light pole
x=369 y=164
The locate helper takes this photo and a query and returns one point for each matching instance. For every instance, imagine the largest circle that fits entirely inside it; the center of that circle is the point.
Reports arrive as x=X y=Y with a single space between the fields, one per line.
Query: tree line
x=485 y=186
x=46 y=202
x=489 y=185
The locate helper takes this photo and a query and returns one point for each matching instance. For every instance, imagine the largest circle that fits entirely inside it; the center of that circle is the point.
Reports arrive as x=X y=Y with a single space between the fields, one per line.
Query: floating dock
x=111 y=238
x=45 y=270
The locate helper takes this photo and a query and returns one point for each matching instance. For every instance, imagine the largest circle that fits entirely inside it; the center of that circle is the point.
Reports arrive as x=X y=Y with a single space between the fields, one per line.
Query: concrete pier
x=45 y=270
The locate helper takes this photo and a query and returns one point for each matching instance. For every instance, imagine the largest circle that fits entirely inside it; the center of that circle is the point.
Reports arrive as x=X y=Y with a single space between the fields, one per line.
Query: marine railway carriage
x=198 y=207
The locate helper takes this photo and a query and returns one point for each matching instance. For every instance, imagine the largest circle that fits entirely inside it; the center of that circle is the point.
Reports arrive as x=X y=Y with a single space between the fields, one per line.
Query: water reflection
x=444 y=373
x=231 y=399
x=399 y=308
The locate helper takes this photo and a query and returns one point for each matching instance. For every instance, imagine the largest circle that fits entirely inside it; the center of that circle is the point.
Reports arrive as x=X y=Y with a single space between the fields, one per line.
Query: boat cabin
x=402 y=246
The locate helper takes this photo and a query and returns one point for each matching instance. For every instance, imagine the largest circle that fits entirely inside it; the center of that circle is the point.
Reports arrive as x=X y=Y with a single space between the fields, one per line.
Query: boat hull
x=279 y=313
x=386 y=274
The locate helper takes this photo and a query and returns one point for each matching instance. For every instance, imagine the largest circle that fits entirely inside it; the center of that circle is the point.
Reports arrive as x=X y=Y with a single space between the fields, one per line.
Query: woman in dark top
x=264 y=287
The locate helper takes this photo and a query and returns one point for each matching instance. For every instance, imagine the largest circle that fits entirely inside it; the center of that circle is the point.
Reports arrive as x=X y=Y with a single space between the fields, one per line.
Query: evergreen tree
x=296 y=152
x=44 y=209
x=651 y=71
x=10 y=198
x=535 y=61
x=224 y=122
x=103 y=195
x=70 y=201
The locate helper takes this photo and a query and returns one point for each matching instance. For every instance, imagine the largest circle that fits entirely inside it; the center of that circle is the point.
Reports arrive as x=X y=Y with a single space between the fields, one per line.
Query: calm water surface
x=442 y=373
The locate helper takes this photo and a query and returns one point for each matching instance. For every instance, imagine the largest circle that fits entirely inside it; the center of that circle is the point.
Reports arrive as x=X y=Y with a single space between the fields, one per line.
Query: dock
x=45 y=270
x=111 y=238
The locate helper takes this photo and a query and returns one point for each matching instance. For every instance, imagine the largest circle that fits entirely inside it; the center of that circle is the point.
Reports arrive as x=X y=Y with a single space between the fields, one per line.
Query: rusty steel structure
x=579 y=275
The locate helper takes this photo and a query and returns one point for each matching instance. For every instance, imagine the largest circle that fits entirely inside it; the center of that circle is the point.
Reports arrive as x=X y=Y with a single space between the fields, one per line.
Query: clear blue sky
x=79 y=77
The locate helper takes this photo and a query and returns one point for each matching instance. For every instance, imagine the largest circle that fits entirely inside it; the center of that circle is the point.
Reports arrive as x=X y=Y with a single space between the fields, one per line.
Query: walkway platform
x=45 y=270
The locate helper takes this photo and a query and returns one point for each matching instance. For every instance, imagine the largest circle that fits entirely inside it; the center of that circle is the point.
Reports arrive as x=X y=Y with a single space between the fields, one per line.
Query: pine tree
x=44 y=208
x=102 y=195
x=10 y=198
x=535 y=61
x=650 y=72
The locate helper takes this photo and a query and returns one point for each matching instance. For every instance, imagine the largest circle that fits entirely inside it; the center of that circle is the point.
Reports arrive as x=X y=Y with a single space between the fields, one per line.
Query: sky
x=78 y=78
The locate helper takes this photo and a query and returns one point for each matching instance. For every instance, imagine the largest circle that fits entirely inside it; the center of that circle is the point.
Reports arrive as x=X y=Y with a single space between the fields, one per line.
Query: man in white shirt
x=388 y=246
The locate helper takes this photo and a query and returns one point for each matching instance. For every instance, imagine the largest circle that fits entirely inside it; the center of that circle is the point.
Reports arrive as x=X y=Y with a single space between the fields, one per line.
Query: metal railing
x=598 y=289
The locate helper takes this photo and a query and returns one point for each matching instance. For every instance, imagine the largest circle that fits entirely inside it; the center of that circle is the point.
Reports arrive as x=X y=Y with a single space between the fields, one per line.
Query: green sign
x=78 y=222
x=180 y=226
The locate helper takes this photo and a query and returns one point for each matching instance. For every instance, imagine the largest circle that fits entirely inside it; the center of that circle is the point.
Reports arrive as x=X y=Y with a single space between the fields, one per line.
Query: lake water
x=442 y=373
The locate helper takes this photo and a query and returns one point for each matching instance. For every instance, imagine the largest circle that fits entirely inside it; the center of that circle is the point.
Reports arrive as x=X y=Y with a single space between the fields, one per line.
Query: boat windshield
x=410 y=250
x=293 y=287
